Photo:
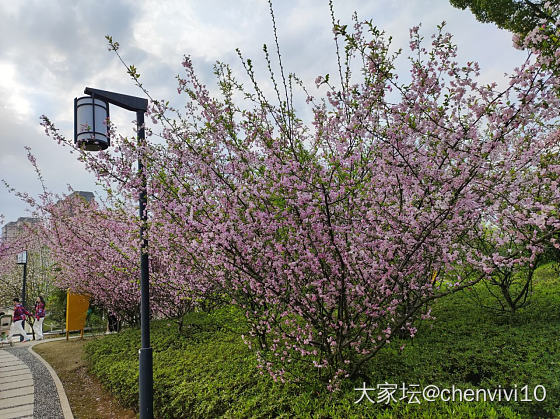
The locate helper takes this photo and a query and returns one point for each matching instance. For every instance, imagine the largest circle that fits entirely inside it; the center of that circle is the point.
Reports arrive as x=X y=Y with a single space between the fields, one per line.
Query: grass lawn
x=87 y=397
x=207 y=371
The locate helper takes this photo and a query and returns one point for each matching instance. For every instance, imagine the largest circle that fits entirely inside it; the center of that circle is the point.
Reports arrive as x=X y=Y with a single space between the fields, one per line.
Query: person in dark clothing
x=18 y=321
x=113 y=323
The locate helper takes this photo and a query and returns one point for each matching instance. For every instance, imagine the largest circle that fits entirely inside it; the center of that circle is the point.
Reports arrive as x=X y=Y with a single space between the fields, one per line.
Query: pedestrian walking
x=18 y=321
x=39 y=317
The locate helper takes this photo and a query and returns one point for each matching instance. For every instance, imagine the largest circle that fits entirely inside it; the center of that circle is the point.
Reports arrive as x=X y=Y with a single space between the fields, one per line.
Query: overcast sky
x=51 y=49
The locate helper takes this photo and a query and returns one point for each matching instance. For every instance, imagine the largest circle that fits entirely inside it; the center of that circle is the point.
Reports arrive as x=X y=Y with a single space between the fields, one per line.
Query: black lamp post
x=22 y=260
x=91 y=133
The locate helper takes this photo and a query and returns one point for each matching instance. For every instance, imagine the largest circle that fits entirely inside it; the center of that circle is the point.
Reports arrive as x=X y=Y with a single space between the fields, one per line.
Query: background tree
x=517 y=16
x=39 y=278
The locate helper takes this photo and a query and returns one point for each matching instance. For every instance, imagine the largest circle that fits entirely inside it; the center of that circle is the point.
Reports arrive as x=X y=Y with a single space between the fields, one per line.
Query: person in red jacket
x=18 y=321
x=39 y=317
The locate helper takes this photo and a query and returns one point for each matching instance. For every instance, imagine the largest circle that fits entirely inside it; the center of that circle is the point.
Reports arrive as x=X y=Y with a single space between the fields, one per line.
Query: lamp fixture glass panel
x=22 y=258
x=90 y=123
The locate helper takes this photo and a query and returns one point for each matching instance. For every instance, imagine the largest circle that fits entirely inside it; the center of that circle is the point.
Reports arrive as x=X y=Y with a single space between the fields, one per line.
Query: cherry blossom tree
x=95 y=250
x=334 y=236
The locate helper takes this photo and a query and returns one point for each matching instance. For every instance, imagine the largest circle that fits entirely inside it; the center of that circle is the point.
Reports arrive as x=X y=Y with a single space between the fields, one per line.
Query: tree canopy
x=518 y=16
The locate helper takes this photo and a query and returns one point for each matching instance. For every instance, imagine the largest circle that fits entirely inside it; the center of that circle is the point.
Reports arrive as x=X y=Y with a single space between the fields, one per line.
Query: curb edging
x=64 y=404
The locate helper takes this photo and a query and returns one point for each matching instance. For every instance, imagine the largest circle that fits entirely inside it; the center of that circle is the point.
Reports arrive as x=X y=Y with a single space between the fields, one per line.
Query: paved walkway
x=29 y=387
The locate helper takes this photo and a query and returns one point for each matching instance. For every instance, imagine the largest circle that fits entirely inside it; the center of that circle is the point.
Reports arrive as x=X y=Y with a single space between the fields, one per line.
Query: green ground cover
x=207 y=371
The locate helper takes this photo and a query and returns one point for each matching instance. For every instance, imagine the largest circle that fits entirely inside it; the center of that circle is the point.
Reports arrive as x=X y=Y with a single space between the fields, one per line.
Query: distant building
x=88 y=196
x=13 y=229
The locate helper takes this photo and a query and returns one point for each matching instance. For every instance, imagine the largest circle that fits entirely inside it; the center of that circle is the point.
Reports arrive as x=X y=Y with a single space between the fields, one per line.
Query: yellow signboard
x=76 y=310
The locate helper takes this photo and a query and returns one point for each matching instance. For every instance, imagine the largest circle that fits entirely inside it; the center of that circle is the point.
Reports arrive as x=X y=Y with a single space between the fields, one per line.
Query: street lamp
x=91 y=133
x=22 y=260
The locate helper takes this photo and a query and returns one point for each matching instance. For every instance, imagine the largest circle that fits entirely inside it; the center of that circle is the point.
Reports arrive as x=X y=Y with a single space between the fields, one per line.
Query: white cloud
x=13 y=93
x=49 y=51
x=168 y=30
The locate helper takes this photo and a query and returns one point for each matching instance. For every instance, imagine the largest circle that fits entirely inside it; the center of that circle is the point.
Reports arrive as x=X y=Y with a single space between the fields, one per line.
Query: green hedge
x=208 y=371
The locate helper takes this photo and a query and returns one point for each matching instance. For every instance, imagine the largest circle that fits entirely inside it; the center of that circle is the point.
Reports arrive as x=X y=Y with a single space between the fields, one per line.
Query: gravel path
x=47 y=404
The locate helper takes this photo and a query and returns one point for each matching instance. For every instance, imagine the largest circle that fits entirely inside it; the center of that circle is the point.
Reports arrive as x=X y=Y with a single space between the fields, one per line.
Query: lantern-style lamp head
x=91 y=115
x=91 y=129
x=22 y=258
